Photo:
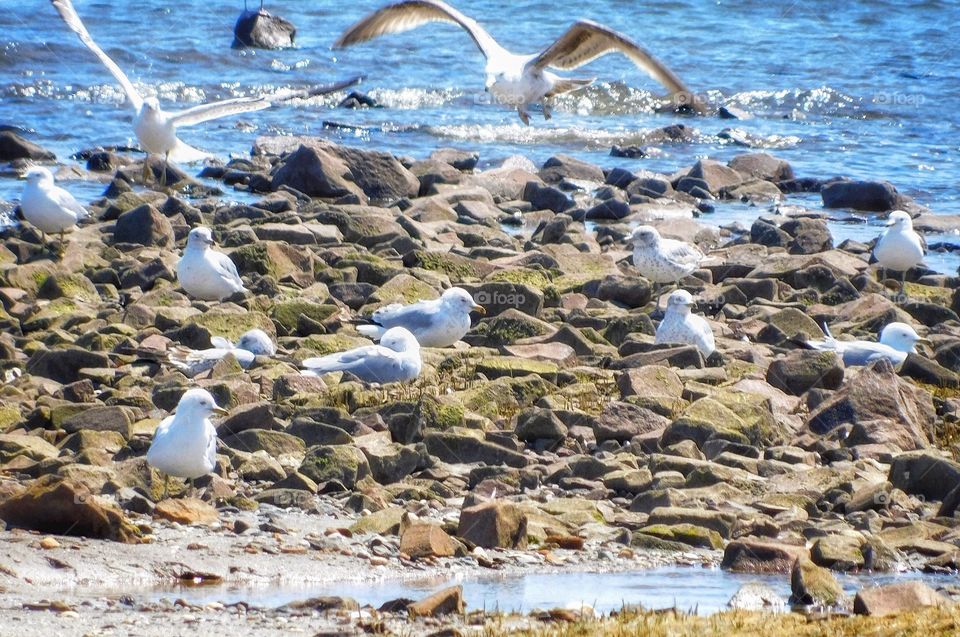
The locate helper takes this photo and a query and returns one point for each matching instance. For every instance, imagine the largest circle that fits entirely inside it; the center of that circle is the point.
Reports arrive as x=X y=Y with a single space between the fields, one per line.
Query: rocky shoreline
x=556 y=436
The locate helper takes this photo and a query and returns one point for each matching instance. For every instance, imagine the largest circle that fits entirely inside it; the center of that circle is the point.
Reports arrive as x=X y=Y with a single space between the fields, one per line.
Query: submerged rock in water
x=262 y=30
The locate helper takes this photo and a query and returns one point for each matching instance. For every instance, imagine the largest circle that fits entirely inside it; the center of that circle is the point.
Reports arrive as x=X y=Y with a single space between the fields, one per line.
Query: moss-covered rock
x=455 y=266
x=232 y=325
x=288 y=313
x=497 y=366
x=344 y=464
x=72 y=286
x=688 y=534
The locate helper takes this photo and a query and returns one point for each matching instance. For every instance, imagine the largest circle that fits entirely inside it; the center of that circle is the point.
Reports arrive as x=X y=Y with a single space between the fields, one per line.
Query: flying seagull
x=155 y=128
x=521 y=80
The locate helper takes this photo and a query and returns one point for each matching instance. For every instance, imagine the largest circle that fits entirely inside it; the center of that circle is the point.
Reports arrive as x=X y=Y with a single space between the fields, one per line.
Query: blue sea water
x=863 y=89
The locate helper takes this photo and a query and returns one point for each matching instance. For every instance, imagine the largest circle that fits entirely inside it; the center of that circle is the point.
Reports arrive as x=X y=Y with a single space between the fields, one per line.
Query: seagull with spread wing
x=522 y=80
x=155 y=128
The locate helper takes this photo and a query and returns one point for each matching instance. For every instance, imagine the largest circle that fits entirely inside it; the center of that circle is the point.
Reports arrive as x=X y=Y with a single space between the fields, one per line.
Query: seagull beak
x=890 y=222
x=220 y=411
x=479 y=309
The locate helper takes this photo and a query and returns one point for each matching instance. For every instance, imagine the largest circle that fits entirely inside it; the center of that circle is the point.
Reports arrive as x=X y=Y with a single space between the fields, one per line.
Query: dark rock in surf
x=12 y=147
x=261 y=30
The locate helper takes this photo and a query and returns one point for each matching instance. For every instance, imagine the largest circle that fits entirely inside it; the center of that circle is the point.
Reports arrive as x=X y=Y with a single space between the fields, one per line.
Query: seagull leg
x=547 y=110
x=524 y=116
x=60 y=250
x=166 y=486
x=163 y=175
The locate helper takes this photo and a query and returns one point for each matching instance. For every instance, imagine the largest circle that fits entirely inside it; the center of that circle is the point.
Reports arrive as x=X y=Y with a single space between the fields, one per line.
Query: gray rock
x=143 y=225
x=261 y=30
x=872 y=196
x=13 y=147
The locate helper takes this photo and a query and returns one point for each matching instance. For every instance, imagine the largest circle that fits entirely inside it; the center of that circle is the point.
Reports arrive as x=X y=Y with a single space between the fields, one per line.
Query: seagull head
x=198 y=403
x=680 y=301
x=901 y=337
x=644 y=237
x=151 y=104
x=257 y=342
x=200 y=238
x=460 y=299
x=38 y=175
x=400 y=339
x=900 y=220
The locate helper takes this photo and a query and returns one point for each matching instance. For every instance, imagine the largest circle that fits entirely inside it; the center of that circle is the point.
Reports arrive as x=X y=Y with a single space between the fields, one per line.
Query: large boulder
x=13 y=147
x=814 y=585
x=143 y=225
x=872 y=196
x=925 y=473
x=343 y=464
x=892 y=599
x=52 y=505
x=63 y=365
x=902 y=412
x=495 y=524
x=317 y=172
x=457 y=448
x=261 y=30
x=802 y=370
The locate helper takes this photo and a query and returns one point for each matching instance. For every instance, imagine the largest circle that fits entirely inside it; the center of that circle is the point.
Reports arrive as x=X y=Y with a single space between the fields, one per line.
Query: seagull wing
x=216 y=110
x=682 y=252
x=367 y=358
x=68 y=202
x=403 y=16
x=302 y=94
x=69 y=15
x=220 y=342
x=586 y=41
x=226 y=268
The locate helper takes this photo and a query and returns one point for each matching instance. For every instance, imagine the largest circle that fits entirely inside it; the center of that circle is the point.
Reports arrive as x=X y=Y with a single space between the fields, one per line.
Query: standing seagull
x=185 y=444
x=395 y=360
x=662 y=260
x=899 y=247
x=679 y=325
x=521 y=80
x=48 y=207
x=437 y=323
x=157 y=129
x=203 y=272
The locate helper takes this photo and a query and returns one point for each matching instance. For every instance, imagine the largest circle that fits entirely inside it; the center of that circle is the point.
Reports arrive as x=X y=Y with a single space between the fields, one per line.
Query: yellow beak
x=220 y=411
x=479 y=309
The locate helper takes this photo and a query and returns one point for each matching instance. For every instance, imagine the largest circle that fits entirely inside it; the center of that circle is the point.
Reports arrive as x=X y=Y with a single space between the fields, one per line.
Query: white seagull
x=185 y=444
x=253 y=343
x=47 y=207
x=395 y=360
x=896 y=341
x=679 y=325
x=155 y=128
x=203 y=272
x=521 y=80
x=663 y=260
x=437 y=323
x=899 y=247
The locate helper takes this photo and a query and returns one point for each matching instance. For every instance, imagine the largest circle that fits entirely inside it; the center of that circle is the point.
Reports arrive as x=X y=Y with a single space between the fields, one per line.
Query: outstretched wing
x=216 y=110
x=69 y=15
x=302 y=94
x=403 y=16
x=586 y=41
